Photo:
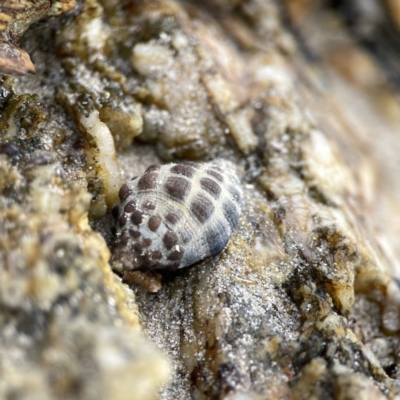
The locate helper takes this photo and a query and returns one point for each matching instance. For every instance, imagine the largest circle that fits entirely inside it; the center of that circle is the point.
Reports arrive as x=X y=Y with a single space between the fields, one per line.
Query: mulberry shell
x=175 y=215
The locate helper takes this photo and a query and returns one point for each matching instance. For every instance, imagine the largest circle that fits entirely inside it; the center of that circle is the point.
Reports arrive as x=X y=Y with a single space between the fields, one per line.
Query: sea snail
x=175 y=215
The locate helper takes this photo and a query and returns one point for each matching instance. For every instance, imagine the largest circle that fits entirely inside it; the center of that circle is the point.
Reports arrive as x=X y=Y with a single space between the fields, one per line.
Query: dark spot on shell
x=183 y=169
x=156 y=255
x=130 y=207
x=122 y=220
x=124 y=240
x=138 y=248
x=170 y=240
x=176 y=255
x=154 y=222
x=217 y=237
x=202 y=208
x=215 y=174
x=124 y=192
x=133 y=178
x=147 y=242
x=148 y=264
x=231 y=214
x=178 y=187
x=115 y=211
x=134 y=234
x=147 y=181
x=172 y=218
x=141 y=259
x=137 y=217
x=148 y=205
x=154 y=167
x=211 y=187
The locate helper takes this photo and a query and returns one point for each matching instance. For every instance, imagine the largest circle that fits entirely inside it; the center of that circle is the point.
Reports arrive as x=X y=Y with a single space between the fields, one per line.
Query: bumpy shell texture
x=175 y=215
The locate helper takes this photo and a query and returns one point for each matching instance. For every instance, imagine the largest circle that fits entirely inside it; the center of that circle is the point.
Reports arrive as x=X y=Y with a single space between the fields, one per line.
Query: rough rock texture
x=304 y=303
x=16 y=16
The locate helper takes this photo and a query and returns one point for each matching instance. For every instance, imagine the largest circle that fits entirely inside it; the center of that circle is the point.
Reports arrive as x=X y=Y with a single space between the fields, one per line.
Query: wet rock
x=61 y=303
x=16 y=17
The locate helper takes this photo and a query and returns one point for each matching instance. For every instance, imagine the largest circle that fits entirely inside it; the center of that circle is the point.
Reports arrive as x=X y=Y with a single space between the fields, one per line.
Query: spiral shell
x=175 y=215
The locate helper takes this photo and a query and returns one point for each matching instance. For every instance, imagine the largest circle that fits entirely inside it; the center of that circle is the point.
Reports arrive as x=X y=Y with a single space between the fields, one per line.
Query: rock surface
x=16 y=16
x=304 y=302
